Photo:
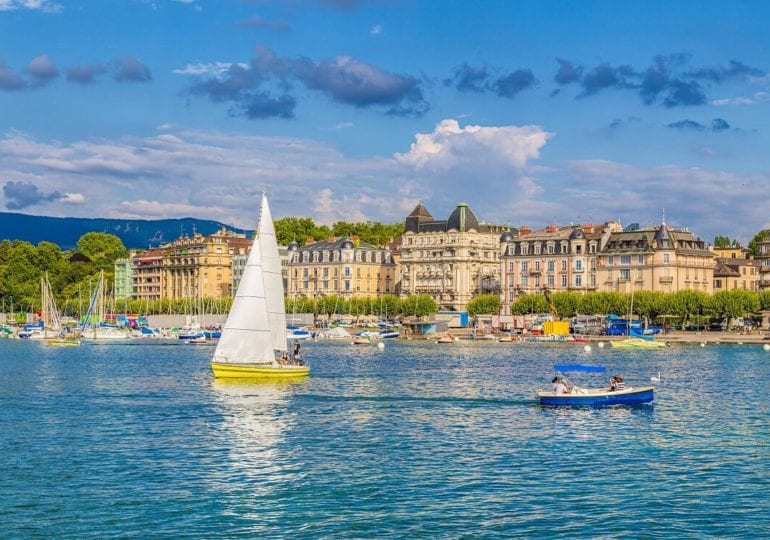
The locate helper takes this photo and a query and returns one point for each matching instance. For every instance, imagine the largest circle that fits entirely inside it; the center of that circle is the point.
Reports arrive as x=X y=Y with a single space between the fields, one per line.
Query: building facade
x=654 y=259
x=239 y=265
x=201 y=266
x=148 y=275
x=124 y=278
x=450 y=260
x=340 y=267
x=557 y=258
x=735 y=273
x=763 y=263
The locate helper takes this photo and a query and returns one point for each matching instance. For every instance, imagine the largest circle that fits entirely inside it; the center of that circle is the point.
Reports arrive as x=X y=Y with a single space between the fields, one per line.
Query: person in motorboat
x=559 y=387
x=617 y=383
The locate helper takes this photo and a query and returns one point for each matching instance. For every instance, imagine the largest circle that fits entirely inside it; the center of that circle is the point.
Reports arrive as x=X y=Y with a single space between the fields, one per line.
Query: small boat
x=362 y=340
x=63 y=342
x=388 y=334
x=448 y=338
x=253 y=343
x=198 y=340
x=638 y=341
x=297 y=332
x=573 y=395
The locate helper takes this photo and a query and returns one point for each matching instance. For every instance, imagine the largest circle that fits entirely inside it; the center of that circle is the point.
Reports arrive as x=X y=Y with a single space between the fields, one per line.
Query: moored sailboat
x=253 y=344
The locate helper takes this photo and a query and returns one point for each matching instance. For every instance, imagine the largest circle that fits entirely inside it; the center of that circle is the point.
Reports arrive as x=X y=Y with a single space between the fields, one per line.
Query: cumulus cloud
x=42 y=70
x=131 y=69
x=669 y=80
x=467 y=78
x=345 y=80
x=10 y=80
x=449 y=144
x=757 y=97
x=20 y=195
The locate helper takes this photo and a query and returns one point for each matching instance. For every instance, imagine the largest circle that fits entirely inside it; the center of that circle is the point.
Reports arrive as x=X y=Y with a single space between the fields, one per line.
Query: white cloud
x=45 y=6
x=450 y=145
x=376 y=30
x=73 y=198
x=758 y=97
x=212 y=69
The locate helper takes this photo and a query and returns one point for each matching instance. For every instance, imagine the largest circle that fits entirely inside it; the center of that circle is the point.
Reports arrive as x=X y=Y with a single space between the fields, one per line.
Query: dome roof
x=347 y=244
x=577 y=233
x=463 y=219
x=506 y=237
x=293 y=246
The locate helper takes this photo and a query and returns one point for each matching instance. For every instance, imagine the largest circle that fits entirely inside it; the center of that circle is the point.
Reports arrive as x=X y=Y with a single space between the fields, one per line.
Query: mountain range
x=135 y=233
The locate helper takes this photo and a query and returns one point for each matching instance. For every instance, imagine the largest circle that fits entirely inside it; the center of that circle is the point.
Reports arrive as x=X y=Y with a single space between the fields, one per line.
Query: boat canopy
x=579 y=367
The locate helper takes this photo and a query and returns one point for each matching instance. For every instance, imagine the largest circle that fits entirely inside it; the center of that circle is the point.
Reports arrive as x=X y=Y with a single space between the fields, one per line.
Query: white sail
x=246 y=337
x=272 y=278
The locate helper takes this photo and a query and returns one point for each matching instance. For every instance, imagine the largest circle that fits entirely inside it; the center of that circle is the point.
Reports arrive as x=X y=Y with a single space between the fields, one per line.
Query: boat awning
x=579 y=367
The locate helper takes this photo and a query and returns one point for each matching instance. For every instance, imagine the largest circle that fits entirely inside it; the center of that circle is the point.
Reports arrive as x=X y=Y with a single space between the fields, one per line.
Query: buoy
x=457 y=339
x=601 y=344
x=702 y=344
x=380 y=345
x=766 y=347
x=740 y=343
x=587 y=348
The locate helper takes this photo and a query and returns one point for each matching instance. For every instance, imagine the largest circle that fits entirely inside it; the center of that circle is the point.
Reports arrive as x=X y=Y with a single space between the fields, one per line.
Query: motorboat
x=566 y=393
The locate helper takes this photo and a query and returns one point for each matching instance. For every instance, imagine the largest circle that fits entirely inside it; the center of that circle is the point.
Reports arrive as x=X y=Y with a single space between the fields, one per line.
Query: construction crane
x=551 y=306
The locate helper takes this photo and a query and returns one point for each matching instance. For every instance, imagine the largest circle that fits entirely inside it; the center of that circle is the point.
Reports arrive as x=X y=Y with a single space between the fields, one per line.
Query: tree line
x=301 y=230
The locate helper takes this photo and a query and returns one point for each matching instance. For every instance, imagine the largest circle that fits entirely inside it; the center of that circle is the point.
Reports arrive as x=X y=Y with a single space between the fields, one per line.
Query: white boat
x=253 y=343
x=297 y=332
x=94 y=327
x=49 y=325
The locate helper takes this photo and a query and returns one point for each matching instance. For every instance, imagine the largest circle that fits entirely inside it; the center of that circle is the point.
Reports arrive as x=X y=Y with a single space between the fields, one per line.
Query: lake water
x=417 y=440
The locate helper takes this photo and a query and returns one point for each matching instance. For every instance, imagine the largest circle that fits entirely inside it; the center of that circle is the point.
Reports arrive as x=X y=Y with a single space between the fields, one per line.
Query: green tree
x=649 y=305
x=292 y=229
x=419 y=305
x=529 y=303
x=685 y=304
x=753 y=244
x=484 y=304
x=103 y=249
x=734 y=304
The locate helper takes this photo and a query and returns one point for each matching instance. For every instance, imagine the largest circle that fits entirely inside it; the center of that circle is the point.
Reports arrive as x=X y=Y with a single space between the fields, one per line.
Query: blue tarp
x=579 y=367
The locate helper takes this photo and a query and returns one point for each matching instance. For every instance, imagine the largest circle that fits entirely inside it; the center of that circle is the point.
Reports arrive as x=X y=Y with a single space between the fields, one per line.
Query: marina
x=414 y=439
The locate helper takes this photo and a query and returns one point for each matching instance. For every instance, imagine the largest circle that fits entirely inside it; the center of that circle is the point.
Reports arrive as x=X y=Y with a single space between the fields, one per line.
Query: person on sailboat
x=297 y=357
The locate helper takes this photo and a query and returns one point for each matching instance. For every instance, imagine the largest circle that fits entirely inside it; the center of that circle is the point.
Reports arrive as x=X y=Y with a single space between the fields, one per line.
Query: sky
x=532 y=112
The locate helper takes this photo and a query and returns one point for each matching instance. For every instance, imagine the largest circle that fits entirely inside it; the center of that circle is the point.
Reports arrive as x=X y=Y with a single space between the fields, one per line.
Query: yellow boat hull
x=253 y=371
x=632 y=343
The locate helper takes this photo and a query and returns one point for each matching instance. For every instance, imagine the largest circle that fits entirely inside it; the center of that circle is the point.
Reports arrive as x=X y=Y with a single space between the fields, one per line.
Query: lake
x=416 y=440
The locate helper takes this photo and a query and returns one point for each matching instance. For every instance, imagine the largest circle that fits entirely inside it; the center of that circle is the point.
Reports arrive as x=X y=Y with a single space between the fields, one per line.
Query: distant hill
x=135 y=233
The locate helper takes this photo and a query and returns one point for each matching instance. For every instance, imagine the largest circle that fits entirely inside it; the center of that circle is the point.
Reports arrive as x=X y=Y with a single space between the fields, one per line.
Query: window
x=348 y=272
x=640 y=259
x=551 y=265
x=666 y=258
x=524 y=266
x=611 y=260
x=564 y=265
x=625 y=274
x=537 y=266
x=578 y=280
x=564 y=281
x=578 y=264
x=550 y=280
x=625 y=260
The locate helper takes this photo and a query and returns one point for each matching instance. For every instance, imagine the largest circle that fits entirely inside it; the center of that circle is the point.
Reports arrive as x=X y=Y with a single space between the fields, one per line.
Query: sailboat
x=254 y=337
x=49 y=325
x=636 y=340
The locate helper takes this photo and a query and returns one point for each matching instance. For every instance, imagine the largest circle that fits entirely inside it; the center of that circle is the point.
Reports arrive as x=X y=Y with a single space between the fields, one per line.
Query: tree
x=685 y=303
x=529 y=303
x=649 y=304
x=420 y=305
x=103 y=249
x=753 y=244
x=734 y=304
x=484 y=304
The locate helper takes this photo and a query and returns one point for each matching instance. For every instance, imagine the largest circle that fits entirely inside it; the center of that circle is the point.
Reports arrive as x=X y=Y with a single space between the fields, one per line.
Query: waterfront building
x=763 y=262
x=201 y=266
x=147 y=275
x=735 y=273
x=124 y=278
x=656 y=258
x=556 y=258
x=239 y=264
x=340 y=266
x=450 y=260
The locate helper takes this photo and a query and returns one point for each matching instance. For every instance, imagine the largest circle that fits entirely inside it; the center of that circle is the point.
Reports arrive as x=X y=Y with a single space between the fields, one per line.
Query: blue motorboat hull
x=630 y=397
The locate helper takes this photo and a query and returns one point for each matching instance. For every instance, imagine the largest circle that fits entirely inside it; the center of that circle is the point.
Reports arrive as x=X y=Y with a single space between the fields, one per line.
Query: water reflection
x=254 y=420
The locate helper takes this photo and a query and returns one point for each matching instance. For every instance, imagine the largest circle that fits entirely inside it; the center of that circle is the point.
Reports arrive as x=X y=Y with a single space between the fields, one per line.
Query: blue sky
x=532 y=112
